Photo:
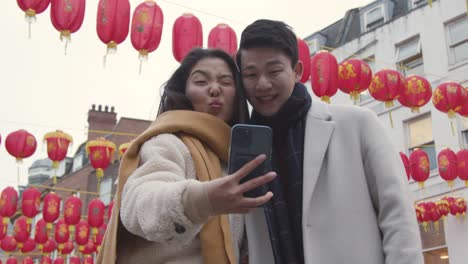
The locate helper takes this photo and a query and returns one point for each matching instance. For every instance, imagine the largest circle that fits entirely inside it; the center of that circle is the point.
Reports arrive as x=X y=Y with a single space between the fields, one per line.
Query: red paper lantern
x=443 y=208
x=62 y=233
x=223 y=37
x=28 y=260
x=28 y=246
x=449 y=97
x=462 y=159
x=304 y=57
x=49 y=246
x=420 y=167
x=21 y=231
x=8 y=244
x=109 y=209
x=123 y=148
x=75 y=260
x=113 y=21
x=40 y=233
x=416 y=93
x=96 y=210
x=448 y=165
x=146 y=29
x=452 y=206
x=100 y=237
x=72 y=213
x=8 y=204
x=46 y=260
x=31 y=8
x=422 y=214
x=57 y=146
x=67 y=248
x=324 y=75
x=89 y=248
x=461 y=206
x=3 y=230
x=12 y=260
x=187 y=34
x=406 y=164
x=67 y=16
x=59 y=260
x=20 y=144
x=354 y=77
x=51 y=208
x=88 y=260
x=100 y=153
x=82 y=234
x=386 y=86
x=433 y=214
x=31 y=203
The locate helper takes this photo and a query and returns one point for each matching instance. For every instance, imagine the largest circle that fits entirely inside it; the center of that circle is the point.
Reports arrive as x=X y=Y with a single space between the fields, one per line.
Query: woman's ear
x=298 y=69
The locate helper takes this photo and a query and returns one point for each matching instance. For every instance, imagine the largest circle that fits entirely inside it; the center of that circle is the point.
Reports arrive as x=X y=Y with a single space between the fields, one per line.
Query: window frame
x=450 y=45
x=409 y=147
x=414 y=60
x=372 y=25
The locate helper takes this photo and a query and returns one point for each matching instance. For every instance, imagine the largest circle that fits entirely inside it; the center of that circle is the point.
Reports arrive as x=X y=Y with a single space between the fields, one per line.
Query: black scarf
x=284 y=212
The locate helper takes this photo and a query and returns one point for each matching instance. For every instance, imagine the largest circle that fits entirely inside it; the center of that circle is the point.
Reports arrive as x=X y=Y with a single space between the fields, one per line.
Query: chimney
x=100 y=120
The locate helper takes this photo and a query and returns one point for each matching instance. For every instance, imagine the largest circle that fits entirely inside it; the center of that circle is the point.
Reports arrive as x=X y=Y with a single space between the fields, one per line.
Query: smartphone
x=247 y=142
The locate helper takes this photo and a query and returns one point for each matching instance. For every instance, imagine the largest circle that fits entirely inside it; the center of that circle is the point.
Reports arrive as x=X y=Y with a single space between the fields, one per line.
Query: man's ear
x=298 y=69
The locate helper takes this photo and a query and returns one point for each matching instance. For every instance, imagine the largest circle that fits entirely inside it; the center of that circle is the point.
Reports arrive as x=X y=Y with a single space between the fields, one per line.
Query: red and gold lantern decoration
x=449 y=97
x=89 y=248
x=448 y=165
x=21 y=231
x=101 y=154
x=223 y=37
x=46 y=260
x=416 y=93
x=354 y=77
x=8 y=204
x=62 y=233
x=75 y=260
x=49 y=246
x=57 y=147
x=123 y=148
x=187 y=34
x=461 y=206
x=28 y=246
x=40 y=233
x=433 y=214
x=443 y=208
x=420 y=214
x=88 y=260
x=12 y=260
x=51 y=208
x=406 y=164
x=67 y=17
x=96 y=210
x=420 y=167
x=100 y=237
x=59 y=260
x=8 y=244
x=324 y=75
x=31 y=8
x=146 y=28
x=67 y=248
x=72 y=213
x=452 y=206
x=20 y=144
x=3 y=229
x=113 y=21
x=386 y=86
x=28 y=260
x=462 y=160
x=304 y=57
x=464 y=110
x=82 y=234
x=31 y=203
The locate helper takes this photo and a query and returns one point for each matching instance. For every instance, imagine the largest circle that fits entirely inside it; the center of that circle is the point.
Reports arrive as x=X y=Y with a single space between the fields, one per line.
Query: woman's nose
x=214 y=90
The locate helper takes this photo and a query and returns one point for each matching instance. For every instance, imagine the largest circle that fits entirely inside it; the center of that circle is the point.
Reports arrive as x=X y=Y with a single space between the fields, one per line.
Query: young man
x=340 y=195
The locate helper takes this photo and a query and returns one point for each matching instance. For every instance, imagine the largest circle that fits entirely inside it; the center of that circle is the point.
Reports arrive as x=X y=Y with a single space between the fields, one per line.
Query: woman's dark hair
x=265 y=33
x=174 y=98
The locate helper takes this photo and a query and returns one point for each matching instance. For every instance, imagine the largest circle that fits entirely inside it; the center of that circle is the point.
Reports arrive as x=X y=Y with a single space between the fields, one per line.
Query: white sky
x=43 y=90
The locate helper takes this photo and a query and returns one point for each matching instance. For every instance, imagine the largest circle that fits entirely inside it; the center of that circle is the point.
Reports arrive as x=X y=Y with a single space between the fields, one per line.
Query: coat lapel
x=319 y=128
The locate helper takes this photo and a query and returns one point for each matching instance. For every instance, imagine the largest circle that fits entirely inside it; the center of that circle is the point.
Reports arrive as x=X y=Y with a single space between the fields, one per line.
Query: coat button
x=179 y=228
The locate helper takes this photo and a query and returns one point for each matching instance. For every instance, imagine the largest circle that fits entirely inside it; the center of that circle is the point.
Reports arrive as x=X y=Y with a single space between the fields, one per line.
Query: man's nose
x=263 y=83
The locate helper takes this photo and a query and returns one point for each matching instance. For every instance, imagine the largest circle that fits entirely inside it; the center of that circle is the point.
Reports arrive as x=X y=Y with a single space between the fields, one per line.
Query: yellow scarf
x=207 y=139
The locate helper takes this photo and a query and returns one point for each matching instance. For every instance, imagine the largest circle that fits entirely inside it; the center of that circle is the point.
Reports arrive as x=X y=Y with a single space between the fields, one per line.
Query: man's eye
x=275 y=72
x=250 y=75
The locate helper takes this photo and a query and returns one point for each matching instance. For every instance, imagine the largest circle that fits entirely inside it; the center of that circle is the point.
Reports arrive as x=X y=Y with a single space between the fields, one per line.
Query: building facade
x=413 y=37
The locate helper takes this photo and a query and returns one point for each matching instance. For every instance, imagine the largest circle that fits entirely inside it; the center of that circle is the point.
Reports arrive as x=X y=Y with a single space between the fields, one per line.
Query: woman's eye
x=200 y=82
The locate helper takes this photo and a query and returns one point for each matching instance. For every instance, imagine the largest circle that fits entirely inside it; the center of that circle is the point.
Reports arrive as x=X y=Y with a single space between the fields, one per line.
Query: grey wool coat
x=356 y=204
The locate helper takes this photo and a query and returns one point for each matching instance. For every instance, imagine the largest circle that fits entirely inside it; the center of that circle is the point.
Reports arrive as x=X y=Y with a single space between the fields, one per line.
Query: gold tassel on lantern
x=325 y=99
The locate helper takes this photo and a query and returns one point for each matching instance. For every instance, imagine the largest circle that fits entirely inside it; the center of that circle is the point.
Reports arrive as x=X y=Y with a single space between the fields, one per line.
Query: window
x=457 y=36
x=420 y=136
x=434 y=244
x=374 y=18
x=417 y=3
x=409 y=57
x=105 y=191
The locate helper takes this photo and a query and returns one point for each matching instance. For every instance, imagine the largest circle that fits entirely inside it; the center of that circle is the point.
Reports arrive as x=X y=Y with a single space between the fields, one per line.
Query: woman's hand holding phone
x=226 y=194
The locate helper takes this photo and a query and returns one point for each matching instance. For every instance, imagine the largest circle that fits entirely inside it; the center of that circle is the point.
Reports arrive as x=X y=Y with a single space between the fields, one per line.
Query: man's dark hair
x=174 y=98
x=265 y=33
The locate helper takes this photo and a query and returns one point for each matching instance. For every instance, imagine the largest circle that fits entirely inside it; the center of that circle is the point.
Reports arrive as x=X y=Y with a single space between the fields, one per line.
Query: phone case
x=247 y=142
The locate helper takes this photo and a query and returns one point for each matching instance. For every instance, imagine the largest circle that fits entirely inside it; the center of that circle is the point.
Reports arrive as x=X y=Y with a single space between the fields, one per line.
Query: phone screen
x=247 y=142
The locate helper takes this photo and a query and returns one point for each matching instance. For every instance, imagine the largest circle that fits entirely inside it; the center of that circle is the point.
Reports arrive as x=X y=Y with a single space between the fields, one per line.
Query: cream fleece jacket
x=163 y=203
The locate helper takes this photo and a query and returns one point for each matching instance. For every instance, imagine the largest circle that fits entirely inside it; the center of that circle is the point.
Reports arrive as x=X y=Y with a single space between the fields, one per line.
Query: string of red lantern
x=187 y=34
x=31 y=9
x=223 y=37
x=355 y=76
x=57 y=147
x=67 y=17
x=324 y=75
